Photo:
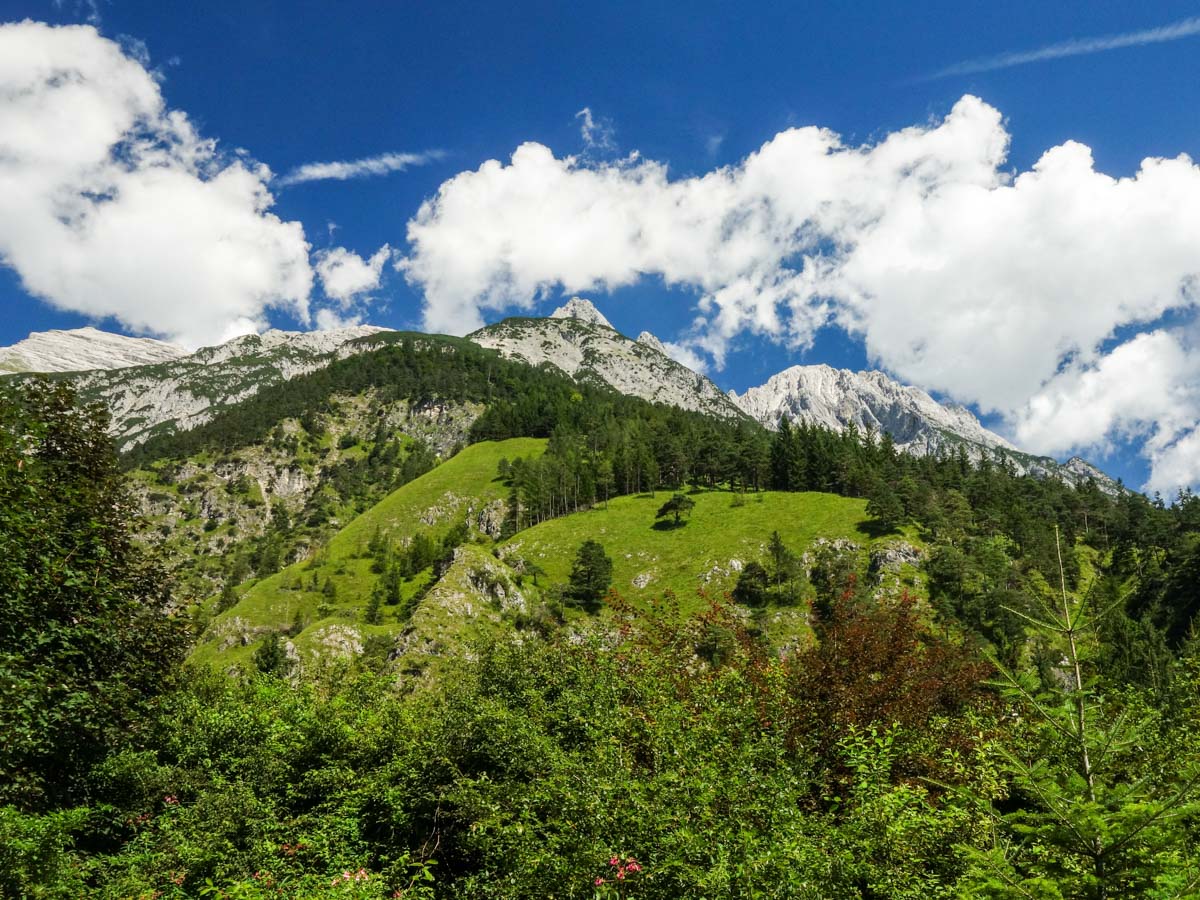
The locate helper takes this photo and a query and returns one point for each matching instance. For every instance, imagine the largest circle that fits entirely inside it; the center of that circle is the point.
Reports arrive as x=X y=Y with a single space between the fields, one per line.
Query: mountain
x=180 y=390
x=81 y=349
x=871 y=401
x=153 y=388
x=836 y=398
x=576 y=339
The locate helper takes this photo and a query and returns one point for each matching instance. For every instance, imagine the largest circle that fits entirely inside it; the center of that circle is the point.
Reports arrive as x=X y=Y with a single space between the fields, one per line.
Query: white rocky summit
x=918 y=424
x=653 y=342
x=83 y=349
x=583 y=310
x=173 y=390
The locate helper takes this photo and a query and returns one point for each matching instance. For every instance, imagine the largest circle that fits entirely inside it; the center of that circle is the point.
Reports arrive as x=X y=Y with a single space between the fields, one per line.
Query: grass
x=701 y=557
x=698 y=554
x=460 y=487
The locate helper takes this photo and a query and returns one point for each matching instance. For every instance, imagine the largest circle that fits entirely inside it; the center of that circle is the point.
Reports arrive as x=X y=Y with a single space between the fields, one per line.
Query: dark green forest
x=1026 y=727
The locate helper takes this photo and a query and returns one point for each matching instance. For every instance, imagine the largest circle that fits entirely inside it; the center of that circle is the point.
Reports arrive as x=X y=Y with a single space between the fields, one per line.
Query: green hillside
x=323 y=600
x=330 y=618
x=648 y=561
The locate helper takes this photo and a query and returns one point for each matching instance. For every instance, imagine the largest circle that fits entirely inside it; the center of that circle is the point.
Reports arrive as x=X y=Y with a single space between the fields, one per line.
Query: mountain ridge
x=84 y=349
x=179 y=390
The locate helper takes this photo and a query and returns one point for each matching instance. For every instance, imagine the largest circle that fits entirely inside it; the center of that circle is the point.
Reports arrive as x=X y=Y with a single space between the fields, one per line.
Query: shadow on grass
x=877 y=529
x=668 y=525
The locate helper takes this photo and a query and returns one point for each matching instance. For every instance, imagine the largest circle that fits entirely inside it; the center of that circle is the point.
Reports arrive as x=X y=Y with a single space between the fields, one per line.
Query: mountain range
x=153 y=387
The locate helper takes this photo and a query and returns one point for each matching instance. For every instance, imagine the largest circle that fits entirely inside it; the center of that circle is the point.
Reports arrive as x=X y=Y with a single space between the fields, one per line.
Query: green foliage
x=85 y=640
x=752 y=585
x=271 y=656
x=1101 y=820
x=679 y=505
x=590 y=575
x=886 y=508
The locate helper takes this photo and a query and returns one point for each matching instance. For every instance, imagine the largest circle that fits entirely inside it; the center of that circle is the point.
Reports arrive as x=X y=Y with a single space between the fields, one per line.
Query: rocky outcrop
x=177 y=390
x=888 y=558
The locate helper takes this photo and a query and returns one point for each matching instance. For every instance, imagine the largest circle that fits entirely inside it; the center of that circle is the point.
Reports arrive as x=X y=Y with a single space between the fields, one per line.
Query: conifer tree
x=1094 y=825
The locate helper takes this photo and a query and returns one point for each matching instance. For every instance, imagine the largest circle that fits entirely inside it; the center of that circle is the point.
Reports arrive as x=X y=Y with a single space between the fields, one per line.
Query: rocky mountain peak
x=81 y=349
x=601 y=354
x=582 y=309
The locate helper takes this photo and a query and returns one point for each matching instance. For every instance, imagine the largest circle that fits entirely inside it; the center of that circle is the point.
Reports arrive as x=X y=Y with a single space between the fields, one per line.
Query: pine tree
x=1094 y=825
x=679 y=505
x=591 y=575
x=271 y=656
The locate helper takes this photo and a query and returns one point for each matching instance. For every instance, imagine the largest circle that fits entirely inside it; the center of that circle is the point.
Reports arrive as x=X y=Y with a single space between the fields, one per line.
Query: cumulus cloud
x=959 y=275
x=346 y=276
x=685 y=355
x=1146 y=389
x=383 y=164
x=113 y=205
x=331 y=319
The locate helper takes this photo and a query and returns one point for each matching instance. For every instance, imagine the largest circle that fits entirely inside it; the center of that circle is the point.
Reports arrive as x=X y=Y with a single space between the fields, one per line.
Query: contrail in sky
x=1073 y=47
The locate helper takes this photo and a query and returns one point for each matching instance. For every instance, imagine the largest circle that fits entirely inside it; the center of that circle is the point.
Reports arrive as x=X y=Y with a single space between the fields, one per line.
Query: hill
x=327 y=593
x=704 y=554
x=483 y=582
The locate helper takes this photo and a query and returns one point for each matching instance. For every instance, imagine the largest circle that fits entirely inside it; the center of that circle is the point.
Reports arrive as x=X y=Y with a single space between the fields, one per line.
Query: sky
x=996 y=202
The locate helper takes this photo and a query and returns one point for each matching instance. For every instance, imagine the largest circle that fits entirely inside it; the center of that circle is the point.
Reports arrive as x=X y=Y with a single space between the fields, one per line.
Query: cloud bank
x=111 y=204
x=997 y=289
x=346 y=276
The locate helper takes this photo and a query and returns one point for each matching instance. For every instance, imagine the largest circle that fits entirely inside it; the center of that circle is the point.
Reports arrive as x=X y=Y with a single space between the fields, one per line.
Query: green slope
x=697 y=556
x=459 y=489
x=485 y=588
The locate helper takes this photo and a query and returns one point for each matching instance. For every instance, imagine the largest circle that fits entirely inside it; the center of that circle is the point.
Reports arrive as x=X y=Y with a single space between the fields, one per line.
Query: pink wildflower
x=614 y=861
x=599 y=881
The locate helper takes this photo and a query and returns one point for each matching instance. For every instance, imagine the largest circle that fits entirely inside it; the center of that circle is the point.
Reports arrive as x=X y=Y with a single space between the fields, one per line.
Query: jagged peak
x=647 y=339
x=583 y=310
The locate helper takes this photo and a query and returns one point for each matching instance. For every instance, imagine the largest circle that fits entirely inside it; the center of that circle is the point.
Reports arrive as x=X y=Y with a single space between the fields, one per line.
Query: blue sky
x=692 y=87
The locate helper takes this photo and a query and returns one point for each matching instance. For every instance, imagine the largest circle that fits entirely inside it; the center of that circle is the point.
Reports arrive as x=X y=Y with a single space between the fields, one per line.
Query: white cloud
x=331 y=320
x=1147 y=389
x=597 y=134
x=383 y=164
x=112 y=205
x=1177 y=464
x=1074 y=47
x=346 y=276
x=686 y=356
x=958 y=275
